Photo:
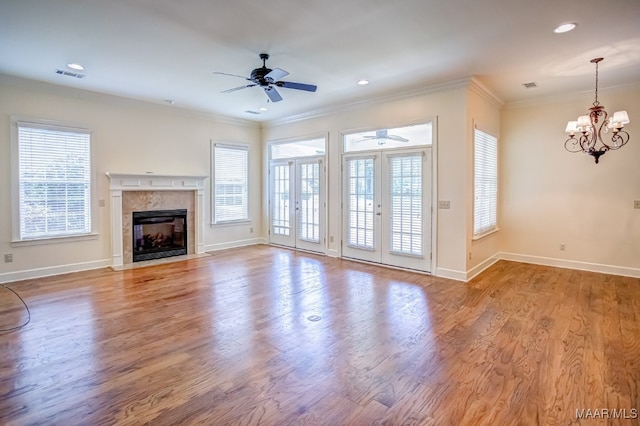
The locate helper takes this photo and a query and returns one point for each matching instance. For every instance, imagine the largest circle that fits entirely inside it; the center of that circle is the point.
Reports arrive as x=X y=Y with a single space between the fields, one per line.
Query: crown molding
x=372 y=101
x=83 y=94
x=574 y=96
x=479 y=88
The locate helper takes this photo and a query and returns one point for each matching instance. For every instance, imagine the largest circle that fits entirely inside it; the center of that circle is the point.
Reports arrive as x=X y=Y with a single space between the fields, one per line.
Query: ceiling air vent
x=252 y=112
x=531 y=85
x=70 y=74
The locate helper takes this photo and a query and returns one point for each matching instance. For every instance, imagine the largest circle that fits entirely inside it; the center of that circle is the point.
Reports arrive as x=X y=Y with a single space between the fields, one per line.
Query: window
x=231 y=183
x=297 y=149
x=485 y=202
x=399 y=137
x=54 y=181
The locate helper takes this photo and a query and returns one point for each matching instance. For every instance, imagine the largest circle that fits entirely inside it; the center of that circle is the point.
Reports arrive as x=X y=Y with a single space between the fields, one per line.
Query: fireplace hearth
x=159 y=233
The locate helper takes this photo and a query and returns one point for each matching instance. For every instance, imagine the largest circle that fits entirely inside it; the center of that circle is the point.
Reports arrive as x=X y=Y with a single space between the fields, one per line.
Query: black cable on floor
x=6 y=330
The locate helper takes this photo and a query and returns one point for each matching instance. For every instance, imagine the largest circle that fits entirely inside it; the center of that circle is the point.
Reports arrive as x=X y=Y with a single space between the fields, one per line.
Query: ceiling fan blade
x=237 y=88
x=232 y=75
x=275 y=75
x=272 y=93
x=298 y=86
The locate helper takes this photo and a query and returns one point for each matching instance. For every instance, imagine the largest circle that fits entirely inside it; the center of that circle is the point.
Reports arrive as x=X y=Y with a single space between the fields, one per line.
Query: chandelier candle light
x=591 y=128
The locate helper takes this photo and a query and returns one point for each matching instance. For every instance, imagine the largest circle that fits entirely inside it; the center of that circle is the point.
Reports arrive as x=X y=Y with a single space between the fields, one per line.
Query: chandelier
x=591 y=129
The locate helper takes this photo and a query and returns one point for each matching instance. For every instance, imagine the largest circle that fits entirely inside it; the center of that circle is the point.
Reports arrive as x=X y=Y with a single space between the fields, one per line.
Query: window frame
x=479 y=233
x=229 y=146
x=23 y=121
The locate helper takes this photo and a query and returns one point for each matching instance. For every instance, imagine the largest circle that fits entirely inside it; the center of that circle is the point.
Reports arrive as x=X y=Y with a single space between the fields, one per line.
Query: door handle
x=378 y=214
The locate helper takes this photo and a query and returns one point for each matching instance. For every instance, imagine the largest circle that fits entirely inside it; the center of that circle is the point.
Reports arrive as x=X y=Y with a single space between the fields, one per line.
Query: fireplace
x=158 y=234
x=132 y=192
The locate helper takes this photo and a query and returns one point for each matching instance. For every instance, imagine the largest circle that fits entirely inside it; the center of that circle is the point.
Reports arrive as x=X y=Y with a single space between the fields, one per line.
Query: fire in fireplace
x=159 y=233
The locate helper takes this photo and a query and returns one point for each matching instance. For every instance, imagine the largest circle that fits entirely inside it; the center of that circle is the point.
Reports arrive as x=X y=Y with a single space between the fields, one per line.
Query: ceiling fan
x=268 y=79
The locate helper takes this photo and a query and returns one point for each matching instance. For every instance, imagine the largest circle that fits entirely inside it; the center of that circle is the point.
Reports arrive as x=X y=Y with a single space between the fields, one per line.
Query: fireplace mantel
x=120 y=182
x=155 y=182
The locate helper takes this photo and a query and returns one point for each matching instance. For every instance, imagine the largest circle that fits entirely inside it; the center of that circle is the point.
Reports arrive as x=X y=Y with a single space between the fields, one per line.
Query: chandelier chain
x=596 y=103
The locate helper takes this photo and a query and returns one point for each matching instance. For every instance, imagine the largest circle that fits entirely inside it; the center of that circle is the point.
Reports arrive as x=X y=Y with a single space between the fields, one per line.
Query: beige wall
x=127 y=136
x=551 y=197
x=547 y=196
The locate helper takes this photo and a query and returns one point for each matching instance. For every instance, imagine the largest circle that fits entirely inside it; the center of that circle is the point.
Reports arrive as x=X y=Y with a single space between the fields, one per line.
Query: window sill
x=231 y=223
x=54 y=240
x=486 y=234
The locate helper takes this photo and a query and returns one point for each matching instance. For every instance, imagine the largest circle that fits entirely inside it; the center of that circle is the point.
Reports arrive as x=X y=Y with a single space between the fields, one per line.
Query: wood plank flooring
x=264 y=335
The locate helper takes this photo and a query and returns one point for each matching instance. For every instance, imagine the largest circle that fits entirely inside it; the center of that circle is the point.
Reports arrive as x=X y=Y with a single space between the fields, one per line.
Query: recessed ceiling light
x=76 y=67
x=363 y=82
x=263 y=109
x=565 y=28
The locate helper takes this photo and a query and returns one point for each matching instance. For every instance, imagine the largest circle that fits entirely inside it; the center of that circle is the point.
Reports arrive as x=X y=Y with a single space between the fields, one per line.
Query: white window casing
x=52 y=177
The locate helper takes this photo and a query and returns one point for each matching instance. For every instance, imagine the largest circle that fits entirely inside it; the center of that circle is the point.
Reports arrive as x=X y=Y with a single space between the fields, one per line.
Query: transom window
x=399 y=137
x=298 y=149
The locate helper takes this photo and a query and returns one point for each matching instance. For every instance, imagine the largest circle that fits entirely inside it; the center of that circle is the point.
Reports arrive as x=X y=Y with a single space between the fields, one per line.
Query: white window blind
x=231 y=167
x=485 y=202
x=54 y=174
x=406 y=204
x=361 y=195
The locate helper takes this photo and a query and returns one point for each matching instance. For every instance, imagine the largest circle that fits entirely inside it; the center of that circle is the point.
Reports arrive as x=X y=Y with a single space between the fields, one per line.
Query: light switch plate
x=444 y=204
x=636 y=204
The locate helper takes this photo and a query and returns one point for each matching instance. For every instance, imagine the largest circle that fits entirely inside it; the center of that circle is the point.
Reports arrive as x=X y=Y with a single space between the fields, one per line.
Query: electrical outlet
x=563 y=247
x=251 y=230
x=636 y=204
x=8 y=257
x=101 y=203
x=444 y=204
x=331 y=238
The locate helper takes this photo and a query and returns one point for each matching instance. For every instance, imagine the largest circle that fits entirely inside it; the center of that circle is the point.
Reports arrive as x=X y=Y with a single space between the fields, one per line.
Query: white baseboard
x=572 y=264
x=479 y=268
x=53 y=270
x=333 y=253
x=451 y=274
x=234 y=244
x=440 y=272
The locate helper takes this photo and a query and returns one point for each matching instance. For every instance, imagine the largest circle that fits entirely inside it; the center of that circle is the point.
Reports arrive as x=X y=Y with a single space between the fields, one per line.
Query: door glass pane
x=309 y=213
x=361 y=209
x=406 y=204
x=280 y=204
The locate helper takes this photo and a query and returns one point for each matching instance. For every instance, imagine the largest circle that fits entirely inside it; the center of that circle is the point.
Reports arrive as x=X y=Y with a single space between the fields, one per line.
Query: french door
x=387 y=207
x=297 y=203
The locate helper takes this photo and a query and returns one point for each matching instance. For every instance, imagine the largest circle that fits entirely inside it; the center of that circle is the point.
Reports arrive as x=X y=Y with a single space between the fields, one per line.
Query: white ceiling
x=155 y=50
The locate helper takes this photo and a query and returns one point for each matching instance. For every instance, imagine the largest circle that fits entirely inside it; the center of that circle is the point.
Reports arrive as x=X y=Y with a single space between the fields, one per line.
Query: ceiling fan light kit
x=268 y=80
x=592 y=127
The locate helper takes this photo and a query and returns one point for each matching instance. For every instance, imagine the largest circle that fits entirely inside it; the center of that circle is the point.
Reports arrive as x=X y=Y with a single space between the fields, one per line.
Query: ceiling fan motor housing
x=257 y=75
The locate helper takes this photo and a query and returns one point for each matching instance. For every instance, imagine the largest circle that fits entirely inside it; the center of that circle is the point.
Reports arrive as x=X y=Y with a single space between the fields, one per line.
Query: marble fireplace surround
x=150 y=191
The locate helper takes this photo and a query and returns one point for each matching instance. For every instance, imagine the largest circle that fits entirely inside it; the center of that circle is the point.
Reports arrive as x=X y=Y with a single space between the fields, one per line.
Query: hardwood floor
x=264 y=335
